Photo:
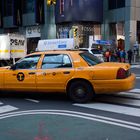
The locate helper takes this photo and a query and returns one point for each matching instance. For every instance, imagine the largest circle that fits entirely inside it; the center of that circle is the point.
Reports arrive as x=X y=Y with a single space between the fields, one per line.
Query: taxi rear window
x=90 y=59
x=95 y=51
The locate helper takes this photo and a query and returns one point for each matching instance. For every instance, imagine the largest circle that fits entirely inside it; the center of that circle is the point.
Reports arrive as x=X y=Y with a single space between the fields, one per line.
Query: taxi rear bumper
x=113 y=86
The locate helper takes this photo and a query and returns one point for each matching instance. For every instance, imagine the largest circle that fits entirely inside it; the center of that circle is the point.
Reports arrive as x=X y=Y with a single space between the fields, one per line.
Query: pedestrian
x=118 y=55
x=113 y=56
x=130 y=54
x=107 y=55
x=122 y=55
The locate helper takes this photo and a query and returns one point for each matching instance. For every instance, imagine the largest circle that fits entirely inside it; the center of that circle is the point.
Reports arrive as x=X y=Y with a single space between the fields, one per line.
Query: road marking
x=135 y=66
x=117 y=103
x=7 y=108
x=107 y=120
x=1 y=103
x=137 y=77
x=32 y=100
x=112 y=108
x=135 y=90
x=127 y=95
x=119 y=100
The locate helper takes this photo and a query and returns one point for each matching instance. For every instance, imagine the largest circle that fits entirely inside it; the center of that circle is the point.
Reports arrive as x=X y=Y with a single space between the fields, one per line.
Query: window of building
x=114 y=4
x=112 y=29
x=138 y=32
x=28 y=6
x=120 y=3
x=8 y=8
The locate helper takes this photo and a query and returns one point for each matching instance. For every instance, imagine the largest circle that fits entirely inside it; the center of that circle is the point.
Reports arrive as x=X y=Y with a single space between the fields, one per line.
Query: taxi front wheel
x=80 y=91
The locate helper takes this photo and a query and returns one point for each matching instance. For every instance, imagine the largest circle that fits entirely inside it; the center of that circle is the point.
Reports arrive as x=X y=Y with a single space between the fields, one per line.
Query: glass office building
x=84 y=20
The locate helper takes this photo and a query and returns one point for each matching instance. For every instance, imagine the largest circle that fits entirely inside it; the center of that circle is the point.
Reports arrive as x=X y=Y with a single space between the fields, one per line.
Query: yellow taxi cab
x=77 y=73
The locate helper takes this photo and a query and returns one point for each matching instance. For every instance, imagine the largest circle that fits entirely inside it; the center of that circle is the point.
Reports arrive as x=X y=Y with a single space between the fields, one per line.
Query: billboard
x=79 y=10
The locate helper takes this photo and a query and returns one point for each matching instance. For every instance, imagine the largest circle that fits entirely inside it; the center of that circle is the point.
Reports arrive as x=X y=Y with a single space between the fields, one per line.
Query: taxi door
x=54 y=73
x=22 y=75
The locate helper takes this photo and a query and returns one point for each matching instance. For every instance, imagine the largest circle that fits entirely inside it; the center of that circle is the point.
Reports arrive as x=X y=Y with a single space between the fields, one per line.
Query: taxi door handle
x=66 y=72
x=54 y=73
x=31 y=73
x=44 y=73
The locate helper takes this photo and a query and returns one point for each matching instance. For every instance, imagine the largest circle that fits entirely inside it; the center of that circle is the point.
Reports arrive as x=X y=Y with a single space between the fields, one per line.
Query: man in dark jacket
x=130 y=54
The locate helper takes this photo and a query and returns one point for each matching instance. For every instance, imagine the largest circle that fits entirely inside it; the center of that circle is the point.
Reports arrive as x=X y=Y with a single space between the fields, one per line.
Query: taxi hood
x=5 y=67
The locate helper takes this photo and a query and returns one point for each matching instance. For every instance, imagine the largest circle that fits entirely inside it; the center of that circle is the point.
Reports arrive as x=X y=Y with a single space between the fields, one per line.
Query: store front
x=81 y=32
x=33 y=35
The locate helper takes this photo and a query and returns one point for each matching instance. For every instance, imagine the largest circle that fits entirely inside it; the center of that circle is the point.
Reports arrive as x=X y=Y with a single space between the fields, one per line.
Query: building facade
x=32 y=18
x=117 y=21
x=121 y=22
x=80 y=19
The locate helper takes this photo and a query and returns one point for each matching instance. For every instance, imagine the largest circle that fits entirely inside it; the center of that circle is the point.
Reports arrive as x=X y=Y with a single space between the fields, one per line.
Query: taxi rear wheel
x=80 y=91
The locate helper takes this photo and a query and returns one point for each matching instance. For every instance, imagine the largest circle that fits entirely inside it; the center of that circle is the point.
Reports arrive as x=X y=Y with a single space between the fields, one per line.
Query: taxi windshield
x=90 y=59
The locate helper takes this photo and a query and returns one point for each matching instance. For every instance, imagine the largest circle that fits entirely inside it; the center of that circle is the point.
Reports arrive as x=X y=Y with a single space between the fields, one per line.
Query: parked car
x=78 y=73
x=95 y=52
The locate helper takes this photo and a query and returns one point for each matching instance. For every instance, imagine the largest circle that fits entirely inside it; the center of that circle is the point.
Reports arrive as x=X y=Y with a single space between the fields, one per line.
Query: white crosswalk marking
x=135 y=66
x=7 y=108
x=137 y=77
x=113 y=108
x=135 y=90
x=120 y=100
x=130 y=95
x=127 y=103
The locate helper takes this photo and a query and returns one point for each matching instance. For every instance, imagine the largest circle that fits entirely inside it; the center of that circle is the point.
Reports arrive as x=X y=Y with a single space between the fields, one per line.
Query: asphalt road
x=54 y=117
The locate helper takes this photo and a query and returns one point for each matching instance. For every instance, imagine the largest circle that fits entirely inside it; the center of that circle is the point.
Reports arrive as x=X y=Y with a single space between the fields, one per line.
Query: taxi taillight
x=121 y=73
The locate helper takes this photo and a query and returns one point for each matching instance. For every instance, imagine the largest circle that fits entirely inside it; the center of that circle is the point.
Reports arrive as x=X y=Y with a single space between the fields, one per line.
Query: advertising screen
x=79 y=10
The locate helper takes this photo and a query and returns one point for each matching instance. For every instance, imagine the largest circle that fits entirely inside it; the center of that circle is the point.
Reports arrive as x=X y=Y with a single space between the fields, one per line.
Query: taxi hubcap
x=80 y=92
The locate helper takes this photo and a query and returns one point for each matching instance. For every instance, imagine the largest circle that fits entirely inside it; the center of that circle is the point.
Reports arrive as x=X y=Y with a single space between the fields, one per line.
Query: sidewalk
x=137 y=61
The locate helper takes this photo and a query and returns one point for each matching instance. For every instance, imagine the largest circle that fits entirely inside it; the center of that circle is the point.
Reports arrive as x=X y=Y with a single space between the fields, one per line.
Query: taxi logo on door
x=20 y=76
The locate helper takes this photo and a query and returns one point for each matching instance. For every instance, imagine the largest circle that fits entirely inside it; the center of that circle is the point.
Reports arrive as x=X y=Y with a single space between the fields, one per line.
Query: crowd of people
x=118 y=55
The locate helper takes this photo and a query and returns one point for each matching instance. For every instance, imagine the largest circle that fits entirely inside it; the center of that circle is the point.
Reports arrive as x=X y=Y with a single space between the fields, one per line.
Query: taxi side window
x=56 y=61
x=29 y=62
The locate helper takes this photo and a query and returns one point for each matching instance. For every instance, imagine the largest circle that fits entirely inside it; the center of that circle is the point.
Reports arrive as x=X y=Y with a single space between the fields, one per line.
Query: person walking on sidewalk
x=130 y=54
x=122 y=56
x=107 y=55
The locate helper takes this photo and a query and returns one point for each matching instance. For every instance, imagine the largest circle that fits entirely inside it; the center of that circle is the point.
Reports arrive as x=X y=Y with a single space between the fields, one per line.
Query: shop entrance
x=32 y=44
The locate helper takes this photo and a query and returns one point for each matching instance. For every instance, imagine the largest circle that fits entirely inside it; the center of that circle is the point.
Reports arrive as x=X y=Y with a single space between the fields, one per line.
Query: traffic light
x=51 y=2
x=75 y=32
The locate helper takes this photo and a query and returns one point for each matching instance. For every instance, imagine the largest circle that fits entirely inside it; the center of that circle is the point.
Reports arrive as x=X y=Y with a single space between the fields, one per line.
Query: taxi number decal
x=20 y=76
